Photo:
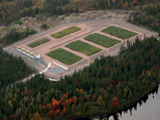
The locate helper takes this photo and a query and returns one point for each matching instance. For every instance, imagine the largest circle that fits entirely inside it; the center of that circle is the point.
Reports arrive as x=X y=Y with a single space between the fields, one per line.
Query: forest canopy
x=107 y=85
x=12 y=69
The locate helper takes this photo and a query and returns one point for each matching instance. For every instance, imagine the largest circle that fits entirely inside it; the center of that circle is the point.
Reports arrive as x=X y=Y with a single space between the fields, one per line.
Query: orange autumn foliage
x=70 y=100
x=43 y=107
x=81 y=91
x=64 y=111
x=66 y=95
x=26 y=92
x=53 y=100
x=75 y=99
x=67 y=102
x=55 y=104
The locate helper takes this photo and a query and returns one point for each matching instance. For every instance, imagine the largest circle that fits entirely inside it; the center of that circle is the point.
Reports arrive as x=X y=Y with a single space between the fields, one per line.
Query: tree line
x=13 y=35
x=8 y=11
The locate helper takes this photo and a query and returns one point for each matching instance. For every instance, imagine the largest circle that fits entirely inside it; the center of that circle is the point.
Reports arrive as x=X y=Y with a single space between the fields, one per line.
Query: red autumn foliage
x=158 y=67
x=119 y=82
x=108 y=81
x=132 y=62
x=114 y=81
x=57 y=112
x=109 y=86
x=155 y=53
x=77 y=83
x=115 y=102
x=107 y=68
x=88 y=97
x=13 y=116
x=63 y=104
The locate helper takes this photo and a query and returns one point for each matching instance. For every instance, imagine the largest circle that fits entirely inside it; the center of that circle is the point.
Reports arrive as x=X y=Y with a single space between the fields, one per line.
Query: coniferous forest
x=11 y=69
x=107 y=85
x=149 y=17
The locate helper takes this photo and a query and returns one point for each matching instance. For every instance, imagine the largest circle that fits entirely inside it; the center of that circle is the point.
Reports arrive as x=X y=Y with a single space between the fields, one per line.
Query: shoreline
x=129 y=107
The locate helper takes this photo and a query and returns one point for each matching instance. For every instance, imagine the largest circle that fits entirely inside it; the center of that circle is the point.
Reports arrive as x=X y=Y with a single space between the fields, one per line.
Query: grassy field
x=37 y=43
x=83 y=48
x=64 y=56
x=119 y=32
x=102 y=40
x=65 y=32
